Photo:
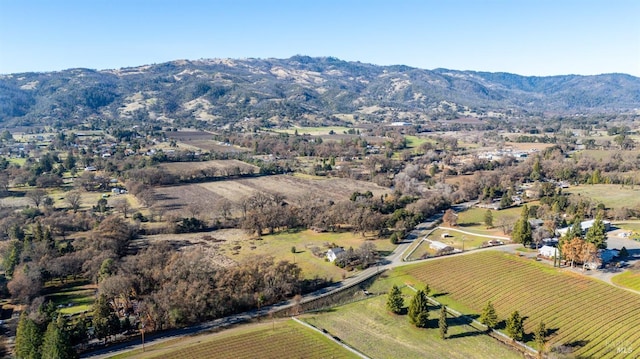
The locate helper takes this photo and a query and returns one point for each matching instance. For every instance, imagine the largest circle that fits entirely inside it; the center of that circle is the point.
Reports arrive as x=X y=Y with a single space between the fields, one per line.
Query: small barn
x=332 y=253
x=441 y=247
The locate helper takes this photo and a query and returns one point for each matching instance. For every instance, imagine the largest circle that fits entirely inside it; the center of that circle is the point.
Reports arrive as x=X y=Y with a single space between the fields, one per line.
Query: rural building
x=439 y=246
x=585 y=225
x=607 y=255
x=547 y=251
x=332 y=253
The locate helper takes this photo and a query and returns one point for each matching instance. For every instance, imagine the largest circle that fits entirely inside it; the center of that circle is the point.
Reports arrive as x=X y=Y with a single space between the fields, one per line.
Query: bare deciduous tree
x=74 y=200
x=37 y=196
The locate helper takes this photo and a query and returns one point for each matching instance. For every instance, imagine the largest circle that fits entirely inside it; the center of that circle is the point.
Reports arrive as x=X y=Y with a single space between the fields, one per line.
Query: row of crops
x=593 y=318
x=268 y=340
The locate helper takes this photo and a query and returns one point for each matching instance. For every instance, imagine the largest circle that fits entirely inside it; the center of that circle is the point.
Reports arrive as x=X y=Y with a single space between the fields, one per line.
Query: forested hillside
x=301 y=90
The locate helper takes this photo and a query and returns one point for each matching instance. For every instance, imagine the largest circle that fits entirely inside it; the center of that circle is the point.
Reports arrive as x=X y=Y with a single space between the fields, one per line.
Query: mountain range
x=302 y=90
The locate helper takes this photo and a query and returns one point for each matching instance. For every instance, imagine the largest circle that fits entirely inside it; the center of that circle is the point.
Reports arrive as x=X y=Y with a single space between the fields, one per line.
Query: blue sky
x=527 y=37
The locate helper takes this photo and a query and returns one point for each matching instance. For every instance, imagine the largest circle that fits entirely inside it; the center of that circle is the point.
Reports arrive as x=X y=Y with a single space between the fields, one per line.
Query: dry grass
x=207 y=195
x=219 y=165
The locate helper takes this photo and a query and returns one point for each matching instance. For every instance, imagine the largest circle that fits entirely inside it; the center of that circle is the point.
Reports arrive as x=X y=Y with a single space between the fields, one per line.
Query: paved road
x=393 y=260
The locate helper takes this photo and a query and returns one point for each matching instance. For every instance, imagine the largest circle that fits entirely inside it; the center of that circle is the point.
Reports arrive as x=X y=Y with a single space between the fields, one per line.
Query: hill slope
x=299 y=89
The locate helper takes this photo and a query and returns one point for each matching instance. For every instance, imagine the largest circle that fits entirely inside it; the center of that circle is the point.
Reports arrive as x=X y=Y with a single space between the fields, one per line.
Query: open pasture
x=207 y=195
x=228 y=246
x=367 y=326
x=263 y=340
x=611 y=195
x=202 y=140
x=573 y=307
x=279 y=246
x=316 y=131
x=220 y=167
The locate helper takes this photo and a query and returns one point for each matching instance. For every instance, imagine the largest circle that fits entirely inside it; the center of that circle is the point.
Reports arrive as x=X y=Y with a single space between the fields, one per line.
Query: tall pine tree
x=395 y=302
x=28 y=339
x=489 y=316
x=56 y=344
x=597 y=233
x=419 y=310
x=522 y=228
x=442 y=323
x=515 y=326
x=540 y=337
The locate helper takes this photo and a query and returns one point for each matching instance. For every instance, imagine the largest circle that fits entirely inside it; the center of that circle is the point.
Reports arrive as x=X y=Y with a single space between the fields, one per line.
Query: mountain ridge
x=301 y=88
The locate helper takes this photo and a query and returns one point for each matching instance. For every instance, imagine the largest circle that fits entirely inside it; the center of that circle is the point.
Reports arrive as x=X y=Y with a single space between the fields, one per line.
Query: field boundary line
x=331 y=337
x=404 y=259
x=506 y=338
x=475 y=234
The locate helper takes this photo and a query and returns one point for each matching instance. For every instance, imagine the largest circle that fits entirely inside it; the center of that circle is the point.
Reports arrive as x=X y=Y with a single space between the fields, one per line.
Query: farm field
x=281 y=339
x=572 y=306
x=219 y=166
x=628 y=279
x=611 y=195
x=206 y=195
x=367 y=326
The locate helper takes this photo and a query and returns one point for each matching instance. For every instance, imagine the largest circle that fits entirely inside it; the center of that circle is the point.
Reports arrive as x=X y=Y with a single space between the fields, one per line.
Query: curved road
x=391 y=261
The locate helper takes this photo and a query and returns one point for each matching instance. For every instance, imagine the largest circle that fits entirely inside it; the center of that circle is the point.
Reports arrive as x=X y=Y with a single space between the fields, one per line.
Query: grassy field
x=219 y=167
x=17 y=161
x=472 y=220
x=582 y=313
x=266 y=340
x=225 y=247
x=415 y=141
x=316 y=131
x=367 y=326
x=629 y=279
x=454 y=239
x=279 y=246
x=72 y=297
x=611 y=195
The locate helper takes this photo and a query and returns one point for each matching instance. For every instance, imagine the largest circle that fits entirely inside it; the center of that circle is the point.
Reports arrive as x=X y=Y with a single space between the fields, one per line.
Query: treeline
x=362 y=213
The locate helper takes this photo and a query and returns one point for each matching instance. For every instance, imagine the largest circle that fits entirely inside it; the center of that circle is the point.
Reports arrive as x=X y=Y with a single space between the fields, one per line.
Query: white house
x=585 y=225
x=332 y=253
x=547 y=251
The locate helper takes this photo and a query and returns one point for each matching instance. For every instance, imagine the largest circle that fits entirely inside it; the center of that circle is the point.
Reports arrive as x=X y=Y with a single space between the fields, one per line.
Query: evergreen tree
x=419 y=310
x=540 y=338
x=488 y=219
x=395 y=302
x=535 y=172
x=56 y=344
x=505 y=200
x=575 y=230
x=515 y=326
x=28 y=339
x=442 y=323
x=596 y=234
x=105 y=321
x=624 y=253
x=489 y=316
x=522 y=228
